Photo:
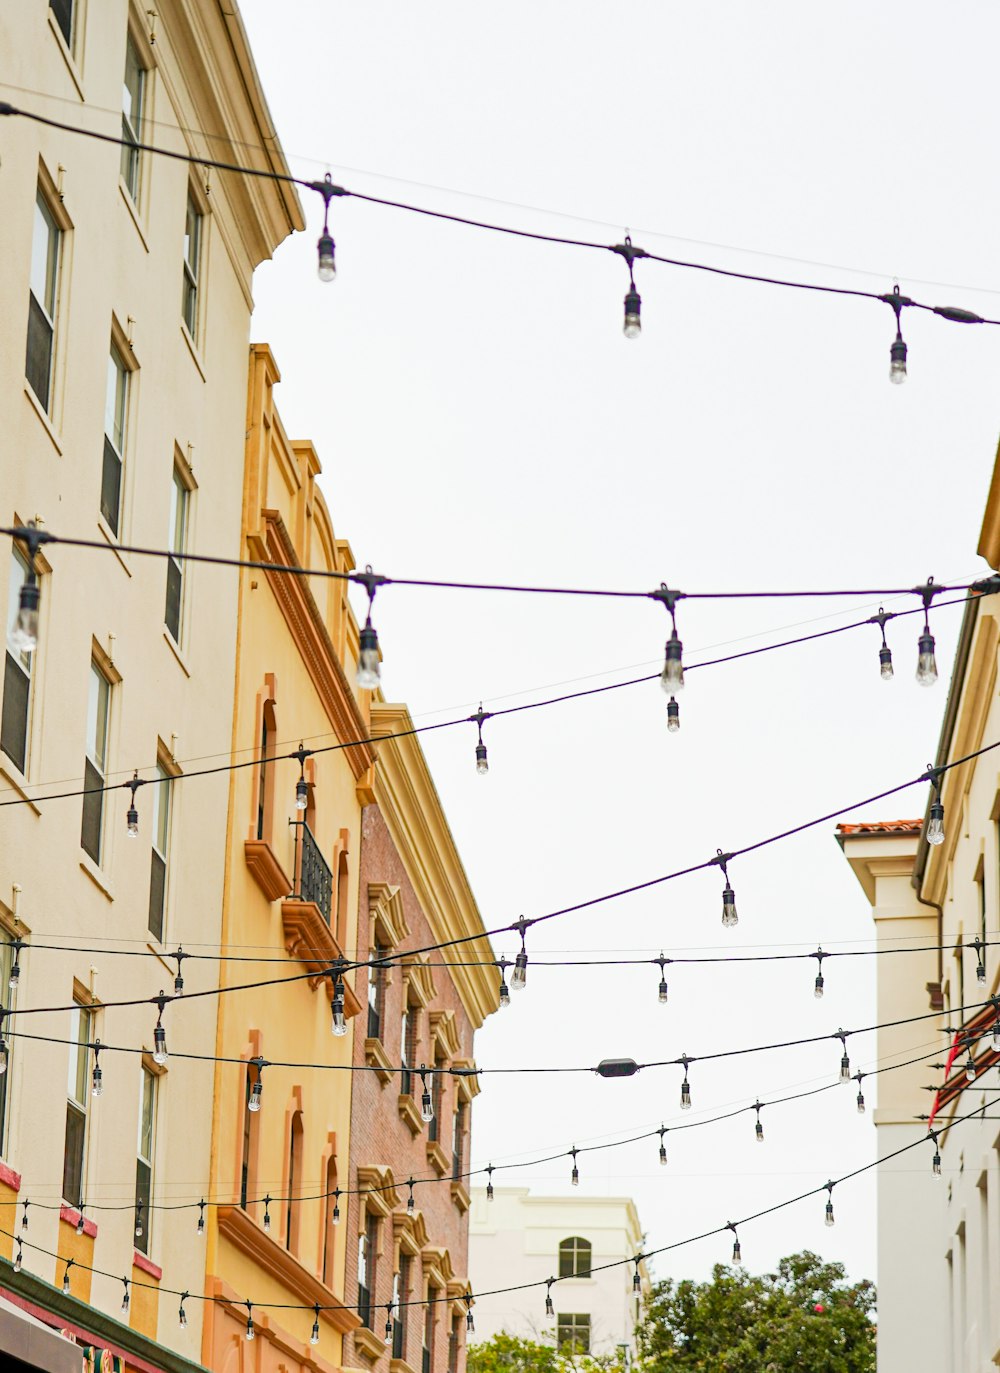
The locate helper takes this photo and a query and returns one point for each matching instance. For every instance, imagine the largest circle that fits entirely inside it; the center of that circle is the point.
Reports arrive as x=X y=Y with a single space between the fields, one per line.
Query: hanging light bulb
x=125 y=1298
x=489 y=1182
x=926 y=662
x=326 y=268
x=504 y=990
x=980 y=963
x=935 y=822
x=574 y=1177
x=314 y=1335
x=335 y=1218
x=81 y=1224
x=201 y=1218
x=672 y=676
x=23 y=633
x=685 y=1085
x=970 y=1067
x=180 y=955
x=138 y=1218
x=897 y=360
x=250 y=1329
x=996 y=1034
x=819 y=985
x=338 y=1024
x=636 y=1280
x=482 y=765
x=470 y=1324
x=845 y=1062
x=861 y=1097
x=730 y=918
x=302 y=786
x=936 y=1164
x=65 y=1283
x=24 y=1218
x=673 y=715
x=14 y=981
x=388 y=1323
x=885 y=663
x=18 y=1258
x=737 y=1251
x=758 y=1128
x=369 y=670
x=257 y=1090
x=662 y=993
x=829 y=1217
x=426 y=1105
x=160 y=1034
x=267 y=1215
x=663 y=1148
x=633 y=312
x=549 y=1308
x=182 y=1319
x=519 y=976
x=409 y=1199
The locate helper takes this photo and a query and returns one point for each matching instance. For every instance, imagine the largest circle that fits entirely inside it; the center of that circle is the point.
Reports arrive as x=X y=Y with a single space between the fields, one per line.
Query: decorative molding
x=385 y=908
x=420 y=981
x=380 y=1188
x=468 y=1084
x=437 y=1157
x=408 y=1110
x=411 y=1231
x=312 y=639
x=444 y=1032
x=377 y=1058
x=249 y=1238
x=400 y=1366
x=367 y=1343
x=437 y=1265
x=265 y=869
x=309 y=939
x=460 y=1195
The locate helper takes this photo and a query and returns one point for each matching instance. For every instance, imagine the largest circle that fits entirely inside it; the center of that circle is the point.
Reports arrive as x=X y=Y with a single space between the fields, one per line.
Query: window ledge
x=460 y=1195
x=47 y=424
x=133 y=211
x=96 y=876
x=175 y=649
x=107 y=533
x=400 y=1366
x=437 y=1158
x=309 y=939
x=70 y=1215
x=408 y=1110
x=147 y=1266
x=368 y=1344
x=377 y=1058
x=193 y=350
x=18 y=783
x=9 y=1178
x=264 y=867
x=67 y=57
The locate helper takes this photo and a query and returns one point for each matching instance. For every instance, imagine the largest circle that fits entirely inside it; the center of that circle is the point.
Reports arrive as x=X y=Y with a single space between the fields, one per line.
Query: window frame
x=575 y=1256
x=17 y=664
x=573 y=1322
x=93 y=800
x=149 y=1080
x=74 y=7
x=192 y=264
x=116 y=451
x=160 y=820
x=368 y=1238
x=77 y=1110
x=130 y=166
x=376 y=994
x=47 y=309
x=178 y=530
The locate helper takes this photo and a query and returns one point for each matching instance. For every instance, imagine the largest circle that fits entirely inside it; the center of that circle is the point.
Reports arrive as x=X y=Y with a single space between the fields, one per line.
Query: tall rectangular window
x=573 y=1333
x=430 y=1315
x=177 y=539
x=437 y=1090
x=454 y=1337
x=192 y=265
x=45 y=244
x=408 y=1048
x=74 y=1153
x=95 y=766
x=458 y=1141
x=17 y=675
x=115 y=412
x=133 y=99
x=63 y=12
x=144 y=1157
x=158 y=857
x=400 y=1297
x=367 y=1249
x=376 y=982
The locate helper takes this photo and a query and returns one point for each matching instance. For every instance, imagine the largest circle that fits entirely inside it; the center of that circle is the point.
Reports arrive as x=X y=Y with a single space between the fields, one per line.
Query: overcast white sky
x=480 y=417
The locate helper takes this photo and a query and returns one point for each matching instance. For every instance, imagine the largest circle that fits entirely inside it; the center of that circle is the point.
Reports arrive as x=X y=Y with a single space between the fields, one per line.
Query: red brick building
x=409 y=1226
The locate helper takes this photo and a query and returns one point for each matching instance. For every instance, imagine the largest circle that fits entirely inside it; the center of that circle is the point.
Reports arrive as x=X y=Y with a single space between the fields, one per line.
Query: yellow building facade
x=126 y=300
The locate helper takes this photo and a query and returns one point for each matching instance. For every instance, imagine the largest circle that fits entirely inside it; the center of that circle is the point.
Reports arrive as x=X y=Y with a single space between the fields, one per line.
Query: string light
x=125 y=1298
x=24 y=1218
x=737 y=1251
x=314 y=1336
x=519 y=976
x=388 y=1323
x=369 y=664
x=685 y=1085
x=180 y=955
x=935 y=818
x=335 y=1217
x=326 y=266
x=636 y=1279
x=250 y=1329
x=489 y=1182
x=574 y=1177
x=861 y=1096
x=80 y=1222
x=23 y=633
x=201 y=1218
x=672 y=676
x=662 y=991
x=4 y=1052
x=302 y=786
x=267 y=1215
x=633 y=301
x=884 y=653
x=138 y=1217
x=996 y=1031
x=159 y=1033
x=758 y=1127
x=819 y=984
x=549 y=1308
x=504 y=990
x=936 y=1160
x=14 y=980
x=980 y=963
x=338 y=1023
x=65 y=1281
x=426 y=1105
x=845 y=1062
x=182 y=1319
x=729 y=916
x=257 y=1089
x=673 y=715
x=970 y=1065
x=482 y=764
x=18 y=1258
x=829 y=1217
x=409 y=1199
x=470 y=1324
x=132 y=815
x=927 y=672
x=663 y=1148
x=897 y=350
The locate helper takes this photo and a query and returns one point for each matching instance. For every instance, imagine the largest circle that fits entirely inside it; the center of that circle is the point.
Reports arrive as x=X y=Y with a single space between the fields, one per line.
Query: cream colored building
x=939 y=1237
x=520 y=1238
x=126 y=300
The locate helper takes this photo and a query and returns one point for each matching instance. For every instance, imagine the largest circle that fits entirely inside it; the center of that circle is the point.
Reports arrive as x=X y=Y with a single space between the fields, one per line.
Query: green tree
x=805 y=1316
x=509 y=1354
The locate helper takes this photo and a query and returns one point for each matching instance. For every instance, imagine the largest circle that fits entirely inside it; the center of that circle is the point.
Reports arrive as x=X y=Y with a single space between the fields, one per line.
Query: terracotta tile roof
x=883 y=827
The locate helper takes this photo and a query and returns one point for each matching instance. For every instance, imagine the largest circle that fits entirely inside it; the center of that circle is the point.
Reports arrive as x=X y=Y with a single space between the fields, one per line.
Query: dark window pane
x=111 y=484
x=93 y=811
x=62 y=13
x=172 y=615
x=14 y=729
x=76 y=1127
x=38 y=363
x=315 y=876
x=143 y=1181
x=157 y=892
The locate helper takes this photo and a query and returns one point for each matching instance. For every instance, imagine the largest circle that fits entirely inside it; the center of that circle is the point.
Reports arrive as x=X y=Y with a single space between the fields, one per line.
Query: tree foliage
x=805 y=1316
x=510 y=1354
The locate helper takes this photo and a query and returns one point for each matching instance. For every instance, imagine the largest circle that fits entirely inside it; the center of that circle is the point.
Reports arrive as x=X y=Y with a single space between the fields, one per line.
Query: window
x=408 y=1048
x=268 y=729
x=458 y=1140
x=376 y=994
x=331 y=1201
x=573 y=1333
x=95 y=767
x=437 y=1089
x=430 y=1313
x=115 y=408
x=192 y=263
x=161 y=793
x=45 y=244
x=400 y=1296
x=63 y=12
x=248 y=1116
x=367 y=1248
x=295 y=1143
x=176 y=541
x=17 y=675
x=144 y=1157
x=76 y=1106
x=574 y=1258
x=133 y=99
x=453 y=1339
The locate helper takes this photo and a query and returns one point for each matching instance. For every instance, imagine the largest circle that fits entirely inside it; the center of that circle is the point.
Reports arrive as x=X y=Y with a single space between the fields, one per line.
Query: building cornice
x=411 y=807
x=305 y=624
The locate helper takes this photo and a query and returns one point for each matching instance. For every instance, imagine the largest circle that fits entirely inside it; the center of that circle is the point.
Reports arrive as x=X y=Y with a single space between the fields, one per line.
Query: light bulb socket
x=482 y=765
x=633 y=313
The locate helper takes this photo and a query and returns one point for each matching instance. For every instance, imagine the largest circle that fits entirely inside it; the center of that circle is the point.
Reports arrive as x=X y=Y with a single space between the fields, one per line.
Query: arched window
x=574 y=1258
x=342 y=877
x=265 y=781
x=331 y=1201
x=292 y=1206
x=248 y=1148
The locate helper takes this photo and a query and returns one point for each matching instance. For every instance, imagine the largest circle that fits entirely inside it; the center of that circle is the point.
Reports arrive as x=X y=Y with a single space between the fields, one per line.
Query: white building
x=939 y=1217
x=518 y=1238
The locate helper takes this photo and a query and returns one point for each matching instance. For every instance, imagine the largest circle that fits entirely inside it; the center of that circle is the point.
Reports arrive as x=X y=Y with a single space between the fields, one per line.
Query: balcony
x=315 y=876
